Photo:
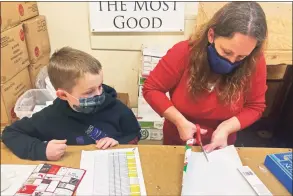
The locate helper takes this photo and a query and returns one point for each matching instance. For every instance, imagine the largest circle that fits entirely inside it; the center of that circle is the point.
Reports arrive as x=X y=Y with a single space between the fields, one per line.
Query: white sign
x=137 y=16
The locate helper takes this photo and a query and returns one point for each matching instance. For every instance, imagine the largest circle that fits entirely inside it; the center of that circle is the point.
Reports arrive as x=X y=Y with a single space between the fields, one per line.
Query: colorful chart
x=52 y=180
x=112 y=172
x=123 y=177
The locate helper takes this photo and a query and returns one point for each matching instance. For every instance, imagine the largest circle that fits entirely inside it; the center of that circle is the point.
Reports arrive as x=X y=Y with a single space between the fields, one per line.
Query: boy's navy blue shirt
x=27 y=137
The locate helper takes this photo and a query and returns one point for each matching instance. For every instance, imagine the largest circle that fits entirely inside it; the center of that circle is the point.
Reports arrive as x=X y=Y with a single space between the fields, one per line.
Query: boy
x=85 y=112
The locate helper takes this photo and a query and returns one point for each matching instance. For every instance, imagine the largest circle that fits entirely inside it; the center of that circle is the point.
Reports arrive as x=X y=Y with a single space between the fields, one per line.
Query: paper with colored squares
x=112 y=172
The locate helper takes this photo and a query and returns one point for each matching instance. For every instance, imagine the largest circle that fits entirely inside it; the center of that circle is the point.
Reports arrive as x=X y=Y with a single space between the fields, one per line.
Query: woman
x=217 y=79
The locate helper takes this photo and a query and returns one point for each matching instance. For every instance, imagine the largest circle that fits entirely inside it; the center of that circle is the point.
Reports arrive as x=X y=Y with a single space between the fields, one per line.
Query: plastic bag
x=29 y=100
x=40 y=79
x=43 y=82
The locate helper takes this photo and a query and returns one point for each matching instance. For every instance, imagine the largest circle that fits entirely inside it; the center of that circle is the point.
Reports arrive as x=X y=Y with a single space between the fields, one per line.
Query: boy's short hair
x=67 y=65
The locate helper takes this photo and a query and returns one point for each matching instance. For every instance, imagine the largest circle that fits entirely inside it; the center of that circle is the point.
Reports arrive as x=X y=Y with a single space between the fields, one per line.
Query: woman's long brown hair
x=246 y=18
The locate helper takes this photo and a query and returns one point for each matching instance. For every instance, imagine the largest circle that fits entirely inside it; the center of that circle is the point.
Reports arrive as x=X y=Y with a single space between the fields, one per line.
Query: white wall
x=68 y=26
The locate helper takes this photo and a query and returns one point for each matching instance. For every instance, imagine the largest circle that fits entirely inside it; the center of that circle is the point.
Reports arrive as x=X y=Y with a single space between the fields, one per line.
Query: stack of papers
x=224 y=174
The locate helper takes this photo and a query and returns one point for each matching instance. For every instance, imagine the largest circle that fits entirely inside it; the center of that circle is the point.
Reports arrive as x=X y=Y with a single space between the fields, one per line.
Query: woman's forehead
x=239 y=44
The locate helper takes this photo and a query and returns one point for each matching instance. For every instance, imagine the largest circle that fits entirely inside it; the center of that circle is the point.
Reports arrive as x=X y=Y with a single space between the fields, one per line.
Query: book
x=48 y=179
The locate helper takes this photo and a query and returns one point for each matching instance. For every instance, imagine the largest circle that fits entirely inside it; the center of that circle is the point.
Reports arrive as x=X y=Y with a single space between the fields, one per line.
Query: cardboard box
x=4 y=117
x=9 y=15
x=150 y=130
x=134 y=110
x=141 y=80
x=146 y=124
x=150 y=59
x=124 y=98
x=14 y=56
x=10 y=92
x=151 y=134
x=28 y=10
x=35 y=68
x=37 y=38
x=146 y=112
x=140 y=93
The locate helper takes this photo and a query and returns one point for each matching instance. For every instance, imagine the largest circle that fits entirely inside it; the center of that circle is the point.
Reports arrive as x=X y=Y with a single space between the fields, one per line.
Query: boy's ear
x=62 y=94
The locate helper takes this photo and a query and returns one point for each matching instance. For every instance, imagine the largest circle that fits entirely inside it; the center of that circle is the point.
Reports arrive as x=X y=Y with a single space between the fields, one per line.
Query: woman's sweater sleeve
x=165 y=76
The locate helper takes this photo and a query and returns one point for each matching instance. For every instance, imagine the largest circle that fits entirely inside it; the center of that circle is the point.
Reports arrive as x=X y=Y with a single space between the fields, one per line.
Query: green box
x=151 y=124
x=141 y=80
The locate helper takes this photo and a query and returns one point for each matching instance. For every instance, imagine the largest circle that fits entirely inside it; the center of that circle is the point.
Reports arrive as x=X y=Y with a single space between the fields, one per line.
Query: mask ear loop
x=74 y=105
x=214 y=46
x=72 y=96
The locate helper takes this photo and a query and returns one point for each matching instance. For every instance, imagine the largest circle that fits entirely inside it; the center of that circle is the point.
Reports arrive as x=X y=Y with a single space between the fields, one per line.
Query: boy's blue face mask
x=90 y=104
x=218 y=64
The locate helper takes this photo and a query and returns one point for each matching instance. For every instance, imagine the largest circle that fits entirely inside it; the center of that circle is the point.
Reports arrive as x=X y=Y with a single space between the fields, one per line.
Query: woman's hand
x=218 y=140
x=220 y=136
x=187 y=130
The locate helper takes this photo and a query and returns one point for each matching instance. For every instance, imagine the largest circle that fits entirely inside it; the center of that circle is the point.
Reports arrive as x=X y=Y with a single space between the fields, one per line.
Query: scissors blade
x=198 y=139
x=204 y=152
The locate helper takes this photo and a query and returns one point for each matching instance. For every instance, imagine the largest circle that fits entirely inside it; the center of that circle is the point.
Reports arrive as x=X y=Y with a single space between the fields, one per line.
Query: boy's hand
x=55 y=149
x=106 y=142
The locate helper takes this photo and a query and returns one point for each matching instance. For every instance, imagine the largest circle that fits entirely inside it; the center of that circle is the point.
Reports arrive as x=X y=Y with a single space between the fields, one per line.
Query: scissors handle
x=198 y=135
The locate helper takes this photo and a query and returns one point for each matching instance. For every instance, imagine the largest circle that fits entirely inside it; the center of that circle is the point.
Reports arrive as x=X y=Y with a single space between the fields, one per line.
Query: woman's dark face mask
x=219 y=64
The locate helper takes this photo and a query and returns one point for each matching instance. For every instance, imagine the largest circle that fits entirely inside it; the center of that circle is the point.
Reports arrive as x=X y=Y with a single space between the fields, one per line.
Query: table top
x=162 y=165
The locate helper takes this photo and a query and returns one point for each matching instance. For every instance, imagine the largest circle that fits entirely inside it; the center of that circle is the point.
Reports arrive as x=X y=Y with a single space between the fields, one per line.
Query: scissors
x=198 y=140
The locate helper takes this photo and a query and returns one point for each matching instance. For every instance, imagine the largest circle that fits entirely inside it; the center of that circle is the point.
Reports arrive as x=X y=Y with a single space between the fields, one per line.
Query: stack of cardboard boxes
x=25 y=49
x=151 y=123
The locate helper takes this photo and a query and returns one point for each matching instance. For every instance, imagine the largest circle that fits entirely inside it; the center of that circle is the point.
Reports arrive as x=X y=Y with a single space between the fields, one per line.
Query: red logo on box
x=12 y=113
x=37 y=51
x=21 y=35
x=20 y=10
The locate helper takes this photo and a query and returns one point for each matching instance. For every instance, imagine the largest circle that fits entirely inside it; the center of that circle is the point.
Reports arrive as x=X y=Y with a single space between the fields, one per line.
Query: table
x=162 y=165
